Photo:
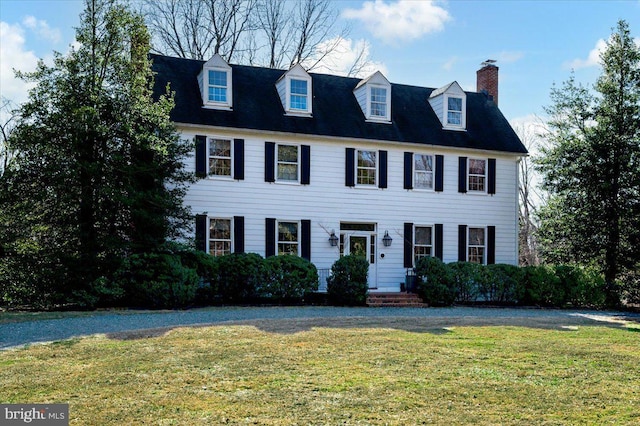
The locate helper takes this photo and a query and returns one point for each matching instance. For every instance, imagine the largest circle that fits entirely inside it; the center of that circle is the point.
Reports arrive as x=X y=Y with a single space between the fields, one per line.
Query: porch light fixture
x=386 y=240
x=333 y=240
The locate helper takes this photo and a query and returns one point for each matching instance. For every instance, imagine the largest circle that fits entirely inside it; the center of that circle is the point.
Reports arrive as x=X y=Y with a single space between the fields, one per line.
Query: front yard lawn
x=370 y=374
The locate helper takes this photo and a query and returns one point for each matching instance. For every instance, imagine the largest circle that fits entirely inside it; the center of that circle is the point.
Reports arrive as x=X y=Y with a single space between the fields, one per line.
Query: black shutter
x=408 y=170
x=269 y=161
x=306 y=165
x=491 y=188
x=439 y=240
x=270 y=237
x=201 y=156
x=408 y=245
x=382 y=179
x=491 y=245
x=238 y=159
x=349 y=167
x=462 y=243
x=462 y=174
x=238 y=234
x=439 y=173
x=201 y=232
x=306 y=240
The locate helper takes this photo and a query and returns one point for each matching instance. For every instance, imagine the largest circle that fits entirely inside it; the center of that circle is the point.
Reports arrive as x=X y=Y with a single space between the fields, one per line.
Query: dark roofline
x=336 y=113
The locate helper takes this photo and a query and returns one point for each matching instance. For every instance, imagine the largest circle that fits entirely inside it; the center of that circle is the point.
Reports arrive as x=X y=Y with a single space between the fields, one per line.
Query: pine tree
x=98 y=171
x=592 y=167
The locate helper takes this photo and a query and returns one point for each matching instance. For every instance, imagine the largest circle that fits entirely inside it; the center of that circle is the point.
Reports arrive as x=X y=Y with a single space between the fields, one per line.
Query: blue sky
x=424 y=43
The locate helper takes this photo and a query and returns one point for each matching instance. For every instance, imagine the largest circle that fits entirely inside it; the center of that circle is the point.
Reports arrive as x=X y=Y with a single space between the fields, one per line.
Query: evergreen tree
x=98 y=171
x=592 y=167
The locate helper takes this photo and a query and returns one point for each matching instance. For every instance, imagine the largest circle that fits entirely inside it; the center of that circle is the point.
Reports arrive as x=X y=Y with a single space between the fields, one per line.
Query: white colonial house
x=292 y=162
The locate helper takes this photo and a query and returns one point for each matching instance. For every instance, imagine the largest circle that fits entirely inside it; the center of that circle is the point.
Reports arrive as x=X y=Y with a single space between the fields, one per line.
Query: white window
x=454 y=111
x=298 y=95
x=219 y=236
x=288 y=238
x=422 y=242
x=366 y=168
x=219 y=157
x=379 y=102
x=217 y=86
x=287 y=163
x=423 y=167
x=476 y=247
x=477 y=175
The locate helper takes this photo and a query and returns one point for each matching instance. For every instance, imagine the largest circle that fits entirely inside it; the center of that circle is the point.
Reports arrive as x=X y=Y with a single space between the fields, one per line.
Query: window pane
x=288 y=153
x=366 y=177
x=288 y=172
x=287 y=231
x=298 y=99
x=454 y=118
x=220 y=167
x=219 y=237
x=298 y=87
x=219 y=148
x=298 y=102
x=220 y=157
x=366 y=158
x=218 y=78
x=423 y=235
x=455 y=104
x=476 y=236
x=378 y=94
x=423 y=162
x=476 y=167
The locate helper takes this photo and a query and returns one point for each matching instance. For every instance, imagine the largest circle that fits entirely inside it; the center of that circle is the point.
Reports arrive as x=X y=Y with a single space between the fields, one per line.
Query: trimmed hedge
x=347 y=284
x=442 y=284
x=289 y=278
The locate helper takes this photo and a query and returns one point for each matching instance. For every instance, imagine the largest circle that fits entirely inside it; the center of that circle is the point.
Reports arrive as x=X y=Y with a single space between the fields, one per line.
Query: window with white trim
x=477 y=175
x=219 y=157
x=288 y=238
x=423 y=168
x=366 y=167
x=422 y=242
x=476 y=245
x=454 y=111
x=219 y=236
x=298 y=95
x=287 y=163
x=217 y=86
x=378 y=103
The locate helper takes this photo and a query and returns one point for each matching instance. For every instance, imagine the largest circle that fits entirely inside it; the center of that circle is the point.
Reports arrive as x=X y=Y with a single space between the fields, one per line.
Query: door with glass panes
x=360 y=239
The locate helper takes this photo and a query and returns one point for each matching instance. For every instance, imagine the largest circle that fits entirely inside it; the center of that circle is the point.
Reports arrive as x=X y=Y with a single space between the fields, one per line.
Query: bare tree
x=273 y=33
x=8 y=121
x=530 y=199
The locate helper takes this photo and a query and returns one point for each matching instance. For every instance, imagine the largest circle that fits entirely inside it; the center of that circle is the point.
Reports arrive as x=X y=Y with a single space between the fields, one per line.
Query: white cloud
x=42 y=29
x=448 y=66
x=403 y=20
x=592 y=60
x=14 y=55
x=342 y=56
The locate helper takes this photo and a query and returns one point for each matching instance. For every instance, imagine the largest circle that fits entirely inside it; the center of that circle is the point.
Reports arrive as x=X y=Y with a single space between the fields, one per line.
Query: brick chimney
x=487 y=79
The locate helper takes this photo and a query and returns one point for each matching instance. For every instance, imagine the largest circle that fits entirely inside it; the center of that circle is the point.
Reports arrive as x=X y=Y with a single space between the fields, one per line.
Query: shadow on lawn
x=432 y=325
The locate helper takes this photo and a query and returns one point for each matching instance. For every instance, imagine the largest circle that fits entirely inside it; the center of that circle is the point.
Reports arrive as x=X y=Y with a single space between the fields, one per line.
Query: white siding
x=327 y=201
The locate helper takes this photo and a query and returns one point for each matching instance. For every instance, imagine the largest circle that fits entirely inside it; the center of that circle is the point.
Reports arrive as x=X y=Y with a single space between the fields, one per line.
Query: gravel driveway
x=293 y=319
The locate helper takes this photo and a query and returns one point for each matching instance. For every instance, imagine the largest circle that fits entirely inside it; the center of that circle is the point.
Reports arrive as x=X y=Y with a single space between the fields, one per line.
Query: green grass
x=277 y=373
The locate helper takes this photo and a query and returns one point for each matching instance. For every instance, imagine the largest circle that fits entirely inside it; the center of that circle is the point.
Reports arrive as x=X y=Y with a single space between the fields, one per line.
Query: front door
x=363 y=244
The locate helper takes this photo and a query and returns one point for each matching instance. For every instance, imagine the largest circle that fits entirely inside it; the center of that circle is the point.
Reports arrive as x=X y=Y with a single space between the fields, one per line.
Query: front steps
x=395 y=300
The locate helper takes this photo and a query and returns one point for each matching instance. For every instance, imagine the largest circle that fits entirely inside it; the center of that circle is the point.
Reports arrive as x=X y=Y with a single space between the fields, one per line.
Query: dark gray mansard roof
x=336 y=113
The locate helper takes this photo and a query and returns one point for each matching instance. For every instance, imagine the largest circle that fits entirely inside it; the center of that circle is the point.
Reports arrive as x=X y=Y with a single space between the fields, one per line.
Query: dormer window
x=374 y=97
x=215 y=81
x=454 y=111
x=450 y=105
x=295 y=91
x=298 y=98
x=218 y=86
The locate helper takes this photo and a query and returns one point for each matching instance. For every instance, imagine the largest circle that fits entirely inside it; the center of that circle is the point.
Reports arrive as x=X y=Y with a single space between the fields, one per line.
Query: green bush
x=465 y=279
x=206 y=266
x=501 y=283
x=542 y=286
x=347 y=284
x=157 y=280
x=239 y=276
x=288 y=278
x=630 y=286
x=434 y=282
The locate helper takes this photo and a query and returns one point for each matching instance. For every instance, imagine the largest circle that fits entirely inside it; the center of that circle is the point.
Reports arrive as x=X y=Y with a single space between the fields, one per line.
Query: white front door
x=363 y=244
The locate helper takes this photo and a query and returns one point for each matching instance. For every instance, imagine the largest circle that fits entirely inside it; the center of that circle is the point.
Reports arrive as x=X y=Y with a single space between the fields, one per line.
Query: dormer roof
x=336 y=112
x=215 y=80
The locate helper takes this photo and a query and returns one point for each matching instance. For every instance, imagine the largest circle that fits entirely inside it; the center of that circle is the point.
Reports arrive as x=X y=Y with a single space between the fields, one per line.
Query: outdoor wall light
x=386 y=240
x=333 y=240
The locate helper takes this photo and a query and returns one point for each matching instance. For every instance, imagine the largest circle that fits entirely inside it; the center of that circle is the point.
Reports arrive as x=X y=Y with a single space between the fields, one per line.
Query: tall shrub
x=239 y=275
x=501 y=283
x=347 y=284
x=288 y=278
x=434 y=282
x=465 y=279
